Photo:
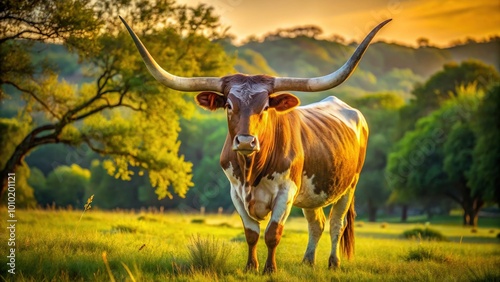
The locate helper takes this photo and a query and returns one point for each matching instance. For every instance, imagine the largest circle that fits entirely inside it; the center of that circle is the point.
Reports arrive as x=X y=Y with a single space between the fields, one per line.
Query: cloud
x=460 y=9
x=441 y=21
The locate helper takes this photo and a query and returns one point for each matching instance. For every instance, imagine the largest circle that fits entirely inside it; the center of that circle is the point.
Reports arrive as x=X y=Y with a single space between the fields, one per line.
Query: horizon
x=440 y=22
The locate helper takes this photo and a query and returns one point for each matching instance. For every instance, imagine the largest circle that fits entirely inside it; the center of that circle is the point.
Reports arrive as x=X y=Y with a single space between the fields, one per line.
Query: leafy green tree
x=457 y=163
x=442 y=86
x=24 y=22
x=429 y=97
x=38 y=181
x=430 y=162
x=65 y=186
x=110 y=192
x=47 y=158
x=381 y=113
x=484 y=174
x=211 y=189
x=123 y=113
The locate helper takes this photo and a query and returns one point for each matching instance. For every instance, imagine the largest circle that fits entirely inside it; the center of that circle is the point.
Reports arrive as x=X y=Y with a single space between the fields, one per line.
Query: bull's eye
x=228 y=106
x=266 y=108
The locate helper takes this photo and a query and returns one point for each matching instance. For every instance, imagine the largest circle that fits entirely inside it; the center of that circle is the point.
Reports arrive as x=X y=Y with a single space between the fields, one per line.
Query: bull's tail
x=347 y=240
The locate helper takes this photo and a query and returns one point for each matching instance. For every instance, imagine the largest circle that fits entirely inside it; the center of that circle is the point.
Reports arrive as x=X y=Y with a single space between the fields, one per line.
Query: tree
x=429 y=97
x=442 y=86
x=71 y=182
x=123 y=114
x=211 y=189
x=422 y=42
x=484 y=174
x=110 y=192
x=310 y=31
x=431 y=161
x=457 y=162
x=381 y=113
x=38 y=182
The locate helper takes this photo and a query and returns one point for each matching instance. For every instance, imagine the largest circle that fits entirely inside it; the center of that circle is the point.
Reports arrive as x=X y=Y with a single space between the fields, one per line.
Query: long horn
x=170 y=80
x=331 y=80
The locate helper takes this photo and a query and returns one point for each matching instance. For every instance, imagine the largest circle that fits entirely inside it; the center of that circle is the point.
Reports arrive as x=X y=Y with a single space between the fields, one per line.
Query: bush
x=422 y=253
x=208 y=254
x=425 y=234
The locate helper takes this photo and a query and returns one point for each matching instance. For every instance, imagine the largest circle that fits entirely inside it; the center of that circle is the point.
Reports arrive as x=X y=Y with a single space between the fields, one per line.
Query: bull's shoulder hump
x=348 y=115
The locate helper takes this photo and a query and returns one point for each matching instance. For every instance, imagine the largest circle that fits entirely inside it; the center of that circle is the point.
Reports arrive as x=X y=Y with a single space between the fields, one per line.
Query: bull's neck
x=277 y=148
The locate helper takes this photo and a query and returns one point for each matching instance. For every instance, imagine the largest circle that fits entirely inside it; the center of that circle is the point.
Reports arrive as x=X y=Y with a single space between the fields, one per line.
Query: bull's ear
x=283 y=102
x=210 y=100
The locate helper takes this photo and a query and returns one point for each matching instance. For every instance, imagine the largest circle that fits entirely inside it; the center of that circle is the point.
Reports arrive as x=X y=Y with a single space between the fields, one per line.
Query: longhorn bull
x=277 y=154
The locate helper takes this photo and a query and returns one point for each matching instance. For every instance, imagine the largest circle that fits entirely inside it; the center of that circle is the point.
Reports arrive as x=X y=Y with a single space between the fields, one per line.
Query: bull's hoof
x=333 y=263
x=270 y=269
x=308 y=261
x=252 y=267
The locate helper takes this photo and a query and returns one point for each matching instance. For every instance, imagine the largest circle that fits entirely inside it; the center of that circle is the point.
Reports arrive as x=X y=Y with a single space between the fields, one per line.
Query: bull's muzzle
x=246 y=144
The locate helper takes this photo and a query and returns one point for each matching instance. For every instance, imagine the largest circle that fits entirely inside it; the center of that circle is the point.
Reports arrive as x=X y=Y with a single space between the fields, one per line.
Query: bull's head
x=249 y=98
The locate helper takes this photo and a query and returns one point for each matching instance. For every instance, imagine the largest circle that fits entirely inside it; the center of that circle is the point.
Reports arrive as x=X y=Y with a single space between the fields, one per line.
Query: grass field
x=125 y=246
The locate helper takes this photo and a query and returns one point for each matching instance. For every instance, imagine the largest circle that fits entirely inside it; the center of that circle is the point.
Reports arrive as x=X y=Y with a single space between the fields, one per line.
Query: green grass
x=56 y=246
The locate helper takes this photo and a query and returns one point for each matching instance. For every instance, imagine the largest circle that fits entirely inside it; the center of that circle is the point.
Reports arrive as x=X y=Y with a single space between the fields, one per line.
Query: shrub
x=208 y=254
x=422 y=253
x=425 y=234
x=198 y=220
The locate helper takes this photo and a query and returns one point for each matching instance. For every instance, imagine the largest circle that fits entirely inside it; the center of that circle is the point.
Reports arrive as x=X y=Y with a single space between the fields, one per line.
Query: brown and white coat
x=278 y=154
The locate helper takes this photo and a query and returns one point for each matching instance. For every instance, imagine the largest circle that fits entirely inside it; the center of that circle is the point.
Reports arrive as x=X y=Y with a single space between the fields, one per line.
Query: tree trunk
x=429 y=212
x=29 y=142
x=471 y=211
x=372 y=212
x=470 y=217
x=471 y=204
x=404 y=213
x=12 y=164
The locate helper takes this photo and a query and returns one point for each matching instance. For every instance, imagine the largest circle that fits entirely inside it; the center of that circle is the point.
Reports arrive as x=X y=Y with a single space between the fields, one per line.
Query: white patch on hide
x=340 y=110
x=239 y=202
x=274 y=194
x=245 y=92
x=307 y=198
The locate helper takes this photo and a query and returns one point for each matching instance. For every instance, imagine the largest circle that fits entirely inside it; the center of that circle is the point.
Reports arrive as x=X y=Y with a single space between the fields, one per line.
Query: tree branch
x=106 y=152
x=98 y=109
x=35 y=97
x=106 y=75
x=454 y=197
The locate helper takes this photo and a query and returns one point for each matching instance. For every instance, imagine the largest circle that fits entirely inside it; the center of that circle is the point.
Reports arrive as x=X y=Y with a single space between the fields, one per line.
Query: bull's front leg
x=252 y=231
x=280 y=212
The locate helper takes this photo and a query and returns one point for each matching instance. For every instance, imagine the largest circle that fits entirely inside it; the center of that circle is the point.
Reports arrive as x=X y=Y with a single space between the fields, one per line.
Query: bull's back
x=334 y=137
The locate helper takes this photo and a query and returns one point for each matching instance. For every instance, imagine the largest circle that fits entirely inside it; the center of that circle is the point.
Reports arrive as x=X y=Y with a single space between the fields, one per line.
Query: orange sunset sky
x=441 y=21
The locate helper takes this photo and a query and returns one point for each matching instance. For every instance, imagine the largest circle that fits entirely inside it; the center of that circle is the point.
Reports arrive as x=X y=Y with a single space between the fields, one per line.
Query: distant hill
x=385 y=66
x=488 y=52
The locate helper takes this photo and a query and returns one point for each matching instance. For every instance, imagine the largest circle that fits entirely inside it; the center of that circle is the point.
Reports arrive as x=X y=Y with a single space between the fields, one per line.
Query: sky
x=440 y=21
